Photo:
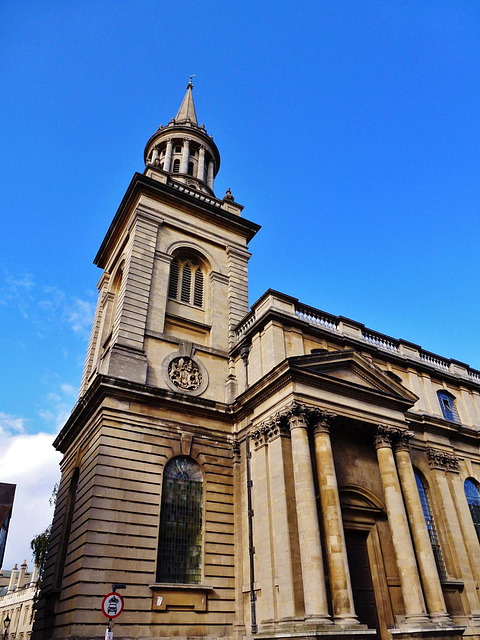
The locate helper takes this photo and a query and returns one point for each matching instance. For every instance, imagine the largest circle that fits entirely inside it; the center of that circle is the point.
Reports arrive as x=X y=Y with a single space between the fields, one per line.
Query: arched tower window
x=472 y=494
x=186 y=282
x=448 y=406
x=180 y=536
x=432 y=529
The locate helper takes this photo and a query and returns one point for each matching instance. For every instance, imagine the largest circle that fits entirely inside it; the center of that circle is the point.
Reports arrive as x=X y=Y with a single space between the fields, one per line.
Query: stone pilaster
x=443 y=463
x=397 y=520
x=285 y=534
x=432 y=587
x=314 y=588
x=342 y=595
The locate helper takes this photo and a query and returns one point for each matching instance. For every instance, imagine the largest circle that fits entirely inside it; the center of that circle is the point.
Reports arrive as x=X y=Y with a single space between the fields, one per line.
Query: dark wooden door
x=361 y=576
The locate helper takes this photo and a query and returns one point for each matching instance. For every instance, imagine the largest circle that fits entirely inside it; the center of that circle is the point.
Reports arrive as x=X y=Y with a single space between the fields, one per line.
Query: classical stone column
x=342 y=595
x=185 y=155
x=168 y=156
x=201 y=164
x=397 y=520
x=210 y=174
x=154 y=155
x=314 y=589
x=432 y=587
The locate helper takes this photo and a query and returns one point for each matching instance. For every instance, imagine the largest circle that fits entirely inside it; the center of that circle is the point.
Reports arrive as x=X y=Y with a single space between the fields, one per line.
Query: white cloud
x=30 y=462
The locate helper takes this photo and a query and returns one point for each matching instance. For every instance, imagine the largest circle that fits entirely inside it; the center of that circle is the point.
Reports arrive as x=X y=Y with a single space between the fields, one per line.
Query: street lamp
x=6 y=624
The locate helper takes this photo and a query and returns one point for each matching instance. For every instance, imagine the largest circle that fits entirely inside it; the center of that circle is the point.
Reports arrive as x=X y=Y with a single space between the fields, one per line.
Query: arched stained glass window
x=180 y=537
x=473 y=498
x=432 y=529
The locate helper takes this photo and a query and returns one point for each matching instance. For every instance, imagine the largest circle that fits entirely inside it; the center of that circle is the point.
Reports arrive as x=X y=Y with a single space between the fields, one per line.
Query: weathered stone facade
x=311 y=433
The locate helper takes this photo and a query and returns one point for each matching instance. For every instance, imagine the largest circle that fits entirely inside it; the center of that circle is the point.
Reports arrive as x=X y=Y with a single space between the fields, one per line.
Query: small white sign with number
x=108 y=635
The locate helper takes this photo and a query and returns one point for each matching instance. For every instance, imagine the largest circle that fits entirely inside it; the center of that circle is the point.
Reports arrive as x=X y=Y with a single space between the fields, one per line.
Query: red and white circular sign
x=112 y=605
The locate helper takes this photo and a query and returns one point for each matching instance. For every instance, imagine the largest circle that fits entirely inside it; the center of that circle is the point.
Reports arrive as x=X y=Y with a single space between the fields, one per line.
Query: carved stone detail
x=321 y=419
x=237 y=456
x=402 y=440
x=384 y=436
x=185 y=373
x=442 y=460
x=296 y=415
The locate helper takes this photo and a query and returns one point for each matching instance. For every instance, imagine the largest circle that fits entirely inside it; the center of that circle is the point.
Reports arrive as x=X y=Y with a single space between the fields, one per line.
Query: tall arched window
x=432 y=529
x=180 y=536
x=473 y=498
x=186 y=281
x=448 y=406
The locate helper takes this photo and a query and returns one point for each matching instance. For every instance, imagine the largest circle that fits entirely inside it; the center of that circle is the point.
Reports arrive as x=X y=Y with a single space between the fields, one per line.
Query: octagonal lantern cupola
x=183 y=149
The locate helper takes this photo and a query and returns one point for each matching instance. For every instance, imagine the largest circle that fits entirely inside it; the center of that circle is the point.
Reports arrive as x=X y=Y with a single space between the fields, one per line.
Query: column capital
x=402 y=440
x=296 y=415
x=269 y=430
x=442 y=460
x=384 y=436
x=321 y=419
x=187 y=139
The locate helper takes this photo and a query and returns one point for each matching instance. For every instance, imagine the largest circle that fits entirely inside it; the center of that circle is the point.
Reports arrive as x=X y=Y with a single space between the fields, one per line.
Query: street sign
x=112 y=605
x=108 y=635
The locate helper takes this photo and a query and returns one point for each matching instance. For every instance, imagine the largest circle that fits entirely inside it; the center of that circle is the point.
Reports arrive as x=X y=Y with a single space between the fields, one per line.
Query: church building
x=271 y=472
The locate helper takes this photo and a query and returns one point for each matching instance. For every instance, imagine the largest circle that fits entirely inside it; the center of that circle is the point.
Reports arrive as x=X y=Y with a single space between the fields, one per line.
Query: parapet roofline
x=351 y=331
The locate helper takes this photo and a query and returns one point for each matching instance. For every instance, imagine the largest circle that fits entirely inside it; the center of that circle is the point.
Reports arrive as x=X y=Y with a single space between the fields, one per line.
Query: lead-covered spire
x=184 y=150
x=186 y=113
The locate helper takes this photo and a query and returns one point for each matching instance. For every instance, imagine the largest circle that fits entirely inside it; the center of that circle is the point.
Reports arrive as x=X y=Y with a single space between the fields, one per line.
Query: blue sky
x=350 y=131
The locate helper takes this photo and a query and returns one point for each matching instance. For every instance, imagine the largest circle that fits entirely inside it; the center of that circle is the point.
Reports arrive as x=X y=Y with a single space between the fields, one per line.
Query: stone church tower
x=276 y=472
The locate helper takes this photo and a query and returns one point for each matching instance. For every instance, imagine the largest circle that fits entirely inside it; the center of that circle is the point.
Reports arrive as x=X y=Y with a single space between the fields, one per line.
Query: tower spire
x=186 y=113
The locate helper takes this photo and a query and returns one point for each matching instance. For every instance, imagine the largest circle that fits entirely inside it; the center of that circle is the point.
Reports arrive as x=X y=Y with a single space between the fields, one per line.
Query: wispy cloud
x=79 y=316
x=10 y=425
x=46 y=306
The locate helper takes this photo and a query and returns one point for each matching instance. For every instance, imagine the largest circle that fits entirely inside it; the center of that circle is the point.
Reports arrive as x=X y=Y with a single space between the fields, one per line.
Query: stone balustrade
x=354 y=331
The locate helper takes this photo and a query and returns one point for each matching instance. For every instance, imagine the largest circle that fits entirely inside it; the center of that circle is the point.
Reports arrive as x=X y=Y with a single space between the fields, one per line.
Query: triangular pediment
x=350 y=369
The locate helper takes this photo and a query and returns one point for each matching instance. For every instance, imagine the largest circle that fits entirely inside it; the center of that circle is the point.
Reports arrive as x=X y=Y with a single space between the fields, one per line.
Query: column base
x=429 y=632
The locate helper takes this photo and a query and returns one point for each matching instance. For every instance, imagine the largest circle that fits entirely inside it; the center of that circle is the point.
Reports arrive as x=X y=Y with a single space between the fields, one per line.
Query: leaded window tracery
x=181 y=517
x=472 y=494
x=431 y=527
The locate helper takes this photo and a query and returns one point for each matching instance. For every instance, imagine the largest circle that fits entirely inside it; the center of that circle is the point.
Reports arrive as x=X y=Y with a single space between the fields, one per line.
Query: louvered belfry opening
x=187 y=281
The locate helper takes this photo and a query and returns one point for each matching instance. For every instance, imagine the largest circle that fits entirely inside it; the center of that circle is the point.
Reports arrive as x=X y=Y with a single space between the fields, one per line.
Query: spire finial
x=190 y=83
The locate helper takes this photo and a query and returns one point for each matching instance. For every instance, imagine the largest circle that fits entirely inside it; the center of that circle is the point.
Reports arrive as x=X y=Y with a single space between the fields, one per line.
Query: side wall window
x=186 y=281
x=448 y=406
x=432 y=529
x=180 y=536
x=473 y=498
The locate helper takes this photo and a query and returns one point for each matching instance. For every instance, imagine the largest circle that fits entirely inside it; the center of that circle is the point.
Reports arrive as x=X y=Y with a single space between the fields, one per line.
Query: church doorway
x=361 y=577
